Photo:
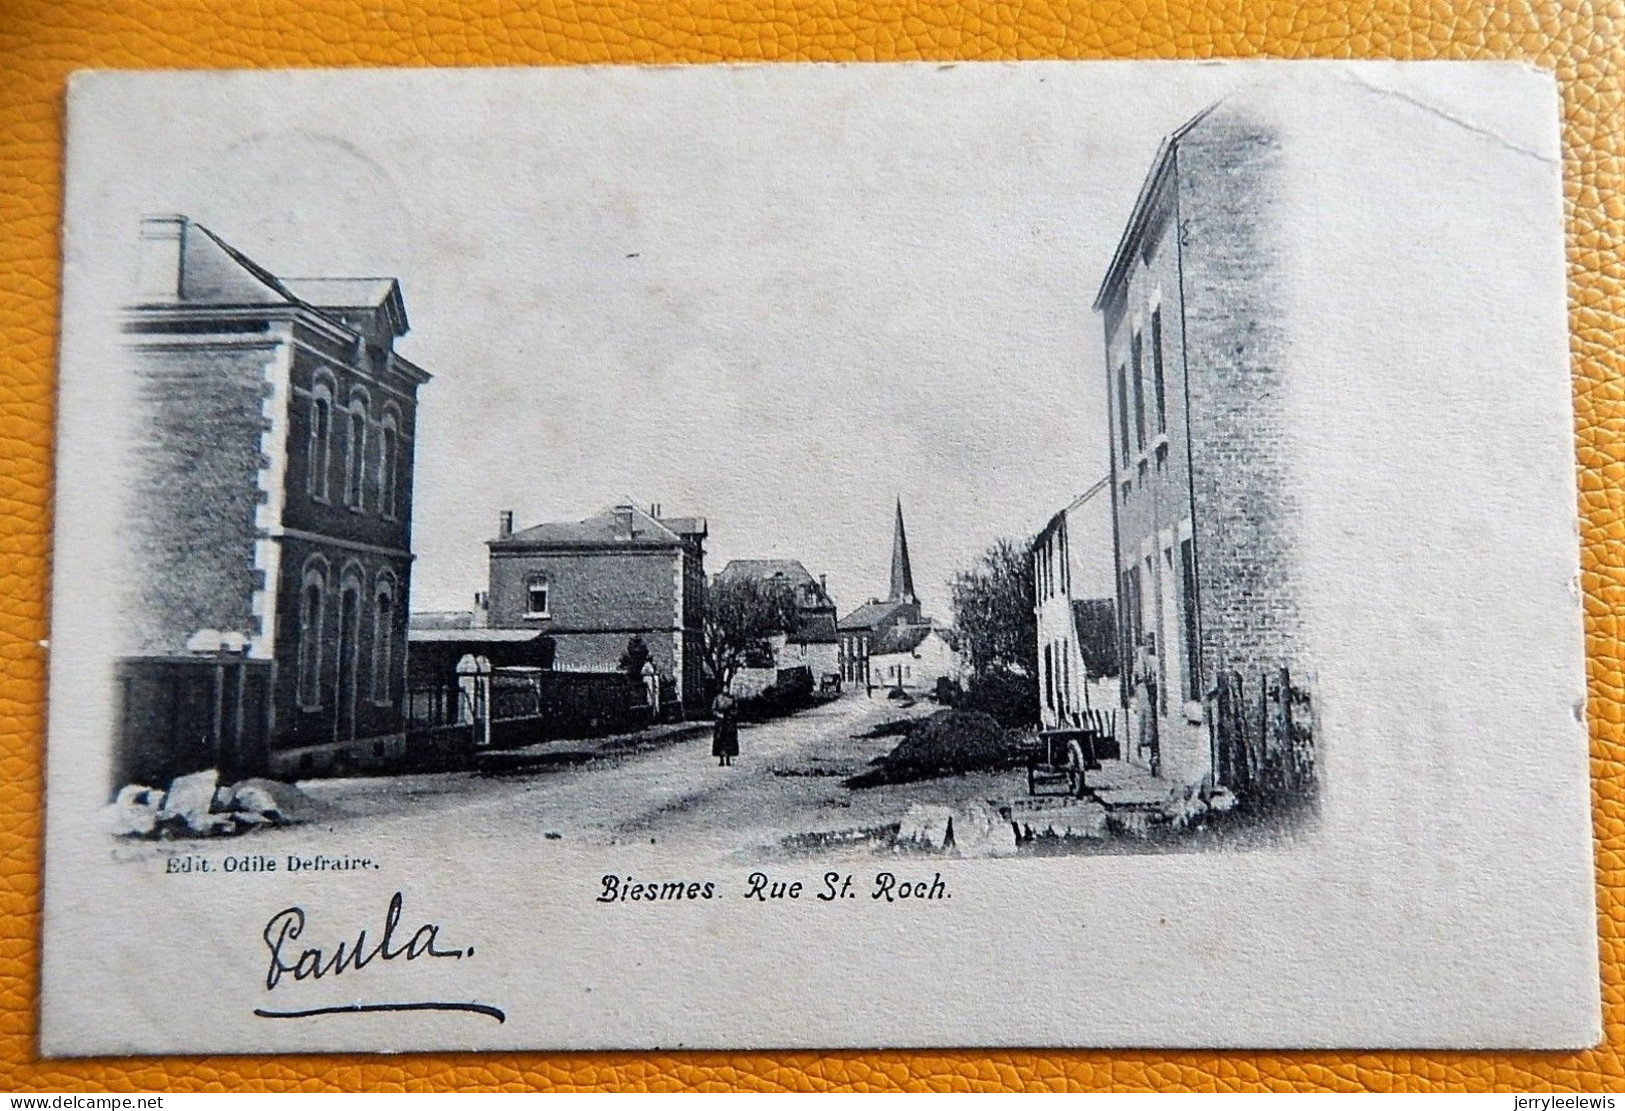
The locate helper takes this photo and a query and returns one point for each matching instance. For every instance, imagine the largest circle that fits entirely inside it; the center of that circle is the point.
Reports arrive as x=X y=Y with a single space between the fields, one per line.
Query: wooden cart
x=1064 y=757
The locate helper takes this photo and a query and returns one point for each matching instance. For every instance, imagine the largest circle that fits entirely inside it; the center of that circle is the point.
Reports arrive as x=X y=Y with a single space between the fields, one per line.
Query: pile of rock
x=197 y=805
x=1185 y=808
x=970 y=829
x=1067 y=818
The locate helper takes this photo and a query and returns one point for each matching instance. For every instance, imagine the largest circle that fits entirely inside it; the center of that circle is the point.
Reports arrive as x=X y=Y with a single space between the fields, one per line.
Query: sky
x=777 y=297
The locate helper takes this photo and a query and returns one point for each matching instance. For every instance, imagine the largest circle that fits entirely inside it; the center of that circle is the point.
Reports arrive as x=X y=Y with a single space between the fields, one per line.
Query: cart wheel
x=1075 y=768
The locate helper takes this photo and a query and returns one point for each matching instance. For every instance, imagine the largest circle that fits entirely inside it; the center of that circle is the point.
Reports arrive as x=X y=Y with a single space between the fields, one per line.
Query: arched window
x=312 y=599
x=319 y=455
x=388 y=462
x=347 y=652
x=383 y=641
x=355 y=453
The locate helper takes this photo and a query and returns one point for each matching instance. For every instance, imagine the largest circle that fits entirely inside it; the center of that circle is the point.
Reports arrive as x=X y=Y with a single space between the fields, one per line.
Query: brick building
x=270 y=547
x=1194 y=311
x=590 y=586
x=1304 y=285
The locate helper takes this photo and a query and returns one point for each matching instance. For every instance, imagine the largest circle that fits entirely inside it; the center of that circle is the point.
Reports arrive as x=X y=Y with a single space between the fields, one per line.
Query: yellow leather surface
x=42 y=41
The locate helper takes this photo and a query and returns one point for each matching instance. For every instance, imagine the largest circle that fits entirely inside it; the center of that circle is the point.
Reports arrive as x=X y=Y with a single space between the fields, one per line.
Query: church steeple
x=902 y=575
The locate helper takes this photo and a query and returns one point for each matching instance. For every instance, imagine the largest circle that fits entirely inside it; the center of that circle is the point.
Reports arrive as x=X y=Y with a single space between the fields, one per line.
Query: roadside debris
x=197 y=805
x=927 y=827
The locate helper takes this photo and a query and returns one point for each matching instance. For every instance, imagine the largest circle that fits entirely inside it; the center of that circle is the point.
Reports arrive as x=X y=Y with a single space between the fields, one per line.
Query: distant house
x=813 y=643
x=860 y=630
x=1071 y=609
x=590 y=586
x=269 y=558
x=914 y=657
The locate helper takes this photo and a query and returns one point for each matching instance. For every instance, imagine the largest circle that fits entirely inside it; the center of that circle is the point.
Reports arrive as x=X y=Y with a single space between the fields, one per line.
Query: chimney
x=163 y=244
x=482 y=609
x=504 y=524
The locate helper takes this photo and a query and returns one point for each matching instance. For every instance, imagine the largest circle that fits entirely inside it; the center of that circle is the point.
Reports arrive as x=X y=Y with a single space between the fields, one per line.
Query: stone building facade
x=271 y=539
x=592 y=585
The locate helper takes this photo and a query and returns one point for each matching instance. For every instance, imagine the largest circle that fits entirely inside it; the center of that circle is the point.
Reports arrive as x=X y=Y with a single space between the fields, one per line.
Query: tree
x=1096 y=623
x=741 y=614
x=636 y=655
x=993 y=616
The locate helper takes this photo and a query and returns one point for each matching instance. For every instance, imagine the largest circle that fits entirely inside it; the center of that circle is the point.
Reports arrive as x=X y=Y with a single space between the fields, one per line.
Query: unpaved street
x=782 y=796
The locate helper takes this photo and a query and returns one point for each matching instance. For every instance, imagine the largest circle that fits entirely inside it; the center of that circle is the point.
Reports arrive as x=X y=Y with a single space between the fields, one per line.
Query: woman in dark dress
x=725 y=730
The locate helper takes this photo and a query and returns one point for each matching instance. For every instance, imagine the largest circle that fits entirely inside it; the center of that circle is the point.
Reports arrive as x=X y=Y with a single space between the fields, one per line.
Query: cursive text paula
x=286 y=927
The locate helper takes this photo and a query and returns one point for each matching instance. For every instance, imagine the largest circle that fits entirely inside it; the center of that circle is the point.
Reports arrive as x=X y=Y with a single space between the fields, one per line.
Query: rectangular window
x=536 y=596
x=1122 y=415
x=1156 y=371
x=1139 y=392
x=1049 y=676
x=1193 y=645
x=1126 y=624
x=1064 y=649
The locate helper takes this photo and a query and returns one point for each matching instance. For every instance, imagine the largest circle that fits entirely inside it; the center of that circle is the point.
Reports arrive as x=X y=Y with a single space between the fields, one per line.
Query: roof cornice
x=1161 y=166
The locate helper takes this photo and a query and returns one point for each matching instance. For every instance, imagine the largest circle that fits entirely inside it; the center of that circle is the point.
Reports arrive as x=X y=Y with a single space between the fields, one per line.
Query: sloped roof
x=1160 y=166
x=353 y=294
x=906 y=638
x=214 y=273
x=870 y=614
x=791 y=570
x=815 y=628
x=607 y=529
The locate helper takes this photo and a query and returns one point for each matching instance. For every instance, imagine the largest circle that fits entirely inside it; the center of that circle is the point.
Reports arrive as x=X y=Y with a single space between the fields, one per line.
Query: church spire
x=902 y=575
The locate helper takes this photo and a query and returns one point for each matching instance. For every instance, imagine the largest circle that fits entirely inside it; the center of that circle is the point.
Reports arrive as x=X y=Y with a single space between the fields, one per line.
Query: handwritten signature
x=286 y=927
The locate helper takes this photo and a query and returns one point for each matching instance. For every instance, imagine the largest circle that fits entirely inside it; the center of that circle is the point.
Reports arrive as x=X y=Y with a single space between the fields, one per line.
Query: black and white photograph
x=1060 y=554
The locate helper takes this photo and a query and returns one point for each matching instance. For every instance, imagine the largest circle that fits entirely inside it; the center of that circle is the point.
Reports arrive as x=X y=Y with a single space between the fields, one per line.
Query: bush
x=790 y=691
x=949 y=742
x=1008 y=697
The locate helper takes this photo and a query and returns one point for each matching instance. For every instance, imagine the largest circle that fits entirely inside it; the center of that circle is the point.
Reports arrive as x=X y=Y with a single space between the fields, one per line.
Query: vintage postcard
x=1048 y=554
